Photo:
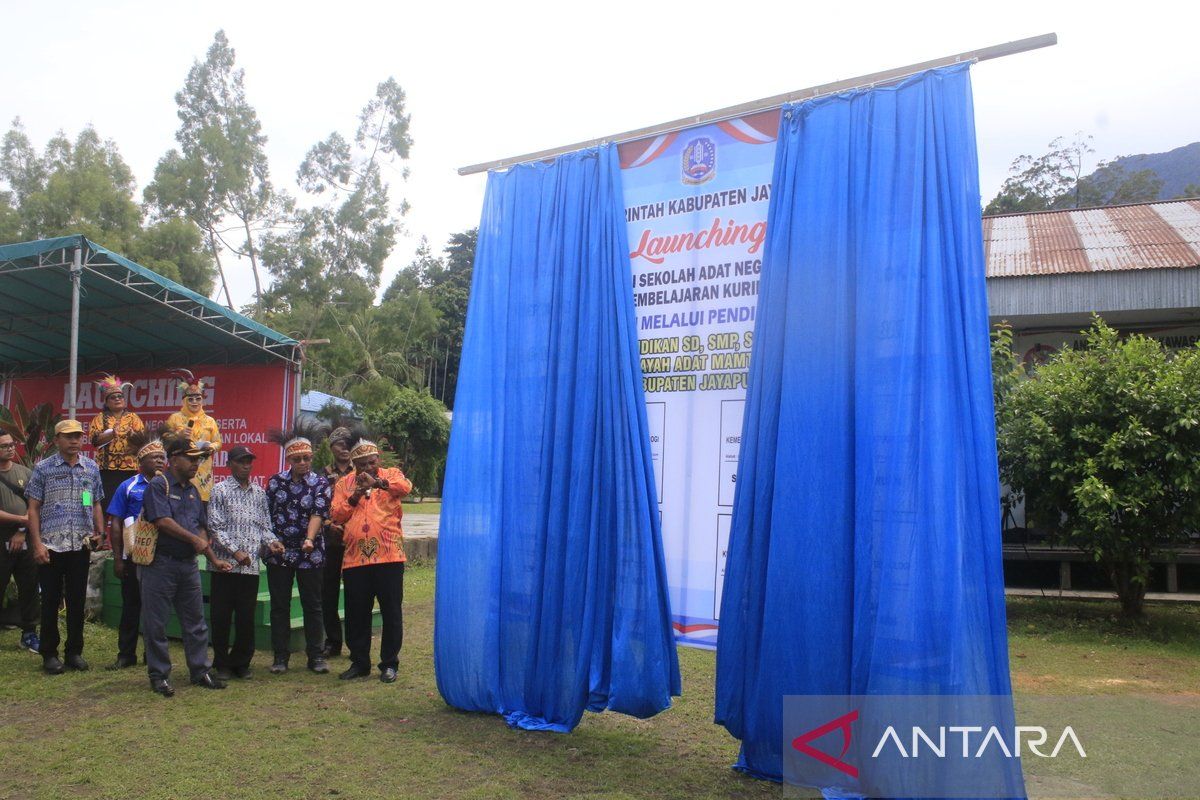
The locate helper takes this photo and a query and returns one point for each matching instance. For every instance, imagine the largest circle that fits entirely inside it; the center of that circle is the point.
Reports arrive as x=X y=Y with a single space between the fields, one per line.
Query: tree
x=174 y=248
x=1191 y=190
x=220 y=170
x=72 y=187
x=85 y=187
x=1111 y=185
x=326 y=269
x=417 y=427
x=445 y=284
x=1056 y=181
x=1035 y=183
x=1104 y=445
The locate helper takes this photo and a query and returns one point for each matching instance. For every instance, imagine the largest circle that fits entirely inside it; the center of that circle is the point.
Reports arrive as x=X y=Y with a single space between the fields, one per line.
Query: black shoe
x=209 y=681
x=388 y=675
x=52 y=665
x=331 y=649
x=76 y=662
x=163 y=687
x=279 y=667
x=222 y=675
x=319 y=666
x=244 y=673
x=122 y=663
x=354 y=672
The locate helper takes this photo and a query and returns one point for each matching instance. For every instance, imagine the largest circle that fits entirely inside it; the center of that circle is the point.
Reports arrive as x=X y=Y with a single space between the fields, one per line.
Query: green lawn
x=432 y=507
x=103 y=734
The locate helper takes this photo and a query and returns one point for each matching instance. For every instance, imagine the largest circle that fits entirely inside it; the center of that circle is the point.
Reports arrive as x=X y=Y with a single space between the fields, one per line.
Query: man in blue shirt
x=64 y=494
x=172 y=580
x=123 y=509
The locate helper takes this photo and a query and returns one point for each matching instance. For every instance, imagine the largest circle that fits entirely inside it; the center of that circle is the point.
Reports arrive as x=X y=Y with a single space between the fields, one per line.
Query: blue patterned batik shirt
x=238 y=519
x=292 y=504
x=65 y=521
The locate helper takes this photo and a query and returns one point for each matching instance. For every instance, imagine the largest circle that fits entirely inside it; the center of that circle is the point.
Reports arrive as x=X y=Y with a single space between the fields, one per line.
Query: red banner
x=244 y=400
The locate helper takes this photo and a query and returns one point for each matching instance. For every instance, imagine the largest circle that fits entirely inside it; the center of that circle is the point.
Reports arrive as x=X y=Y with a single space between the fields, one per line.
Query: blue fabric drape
x=864 y=555
x=551 y=583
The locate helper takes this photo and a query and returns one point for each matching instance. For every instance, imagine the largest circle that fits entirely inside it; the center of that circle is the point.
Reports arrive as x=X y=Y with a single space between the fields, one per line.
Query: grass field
x=103 y=734
x=433 y=507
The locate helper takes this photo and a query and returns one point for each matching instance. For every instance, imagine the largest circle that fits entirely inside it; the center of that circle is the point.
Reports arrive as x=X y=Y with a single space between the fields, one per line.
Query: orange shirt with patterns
x=372 y=527
x=118 y=454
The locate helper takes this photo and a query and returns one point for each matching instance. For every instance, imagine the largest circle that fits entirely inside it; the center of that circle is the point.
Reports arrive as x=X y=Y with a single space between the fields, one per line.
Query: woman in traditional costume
x=199 y=426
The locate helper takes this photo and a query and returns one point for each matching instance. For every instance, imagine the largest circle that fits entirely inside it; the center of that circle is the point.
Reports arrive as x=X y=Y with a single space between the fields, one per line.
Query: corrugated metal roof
x=313 y=401
x=1141 y=236
x=128 y=314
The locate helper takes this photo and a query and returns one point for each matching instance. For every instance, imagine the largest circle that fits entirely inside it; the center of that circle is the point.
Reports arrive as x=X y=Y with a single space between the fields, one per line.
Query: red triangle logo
x=842 y=723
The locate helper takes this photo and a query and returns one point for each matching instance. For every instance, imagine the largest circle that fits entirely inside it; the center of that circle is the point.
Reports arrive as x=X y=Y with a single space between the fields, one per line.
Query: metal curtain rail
x=730 y=112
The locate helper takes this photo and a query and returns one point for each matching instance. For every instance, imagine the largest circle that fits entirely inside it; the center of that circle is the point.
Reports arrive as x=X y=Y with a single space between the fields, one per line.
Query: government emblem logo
x=699 y=161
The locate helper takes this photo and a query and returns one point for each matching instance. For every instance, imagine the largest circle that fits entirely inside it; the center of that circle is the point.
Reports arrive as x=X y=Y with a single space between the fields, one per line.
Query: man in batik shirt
x=65 y=496
x=240 y=524
x=367 y=505
x=298 y=499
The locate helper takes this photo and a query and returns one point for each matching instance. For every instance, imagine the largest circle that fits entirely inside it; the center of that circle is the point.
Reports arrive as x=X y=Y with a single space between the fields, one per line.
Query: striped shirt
x=63 y=518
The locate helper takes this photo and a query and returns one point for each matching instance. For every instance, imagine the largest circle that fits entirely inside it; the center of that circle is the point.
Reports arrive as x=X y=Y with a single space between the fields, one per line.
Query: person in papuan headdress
x=298 y=500
x=109 y=434
x=123 y=509
x=199 y=426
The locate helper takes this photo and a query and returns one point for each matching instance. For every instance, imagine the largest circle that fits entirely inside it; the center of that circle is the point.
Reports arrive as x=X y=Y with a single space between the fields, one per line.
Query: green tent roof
x=130 y=316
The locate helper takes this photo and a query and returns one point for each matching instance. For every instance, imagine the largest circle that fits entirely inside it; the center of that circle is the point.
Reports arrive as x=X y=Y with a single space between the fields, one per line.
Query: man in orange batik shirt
x=366 y=503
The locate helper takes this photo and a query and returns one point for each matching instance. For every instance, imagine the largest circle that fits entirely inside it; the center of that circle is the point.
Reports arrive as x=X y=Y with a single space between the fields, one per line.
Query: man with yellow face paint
x=199 y=426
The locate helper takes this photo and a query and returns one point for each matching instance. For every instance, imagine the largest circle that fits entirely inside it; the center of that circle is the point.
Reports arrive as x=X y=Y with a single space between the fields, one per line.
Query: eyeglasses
x=9 y=446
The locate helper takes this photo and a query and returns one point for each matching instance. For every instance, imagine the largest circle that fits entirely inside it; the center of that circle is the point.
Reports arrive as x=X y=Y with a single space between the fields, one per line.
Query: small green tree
x=417 y=428
x=1104 y=445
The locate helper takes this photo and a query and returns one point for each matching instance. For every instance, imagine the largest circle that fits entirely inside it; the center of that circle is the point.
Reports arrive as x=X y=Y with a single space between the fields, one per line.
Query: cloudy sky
x=490 y=80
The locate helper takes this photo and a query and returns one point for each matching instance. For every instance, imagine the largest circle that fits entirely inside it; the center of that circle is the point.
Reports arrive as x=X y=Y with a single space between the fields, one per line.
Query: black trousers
x=131 y=612
x=64 y=578
x=331 y=590
x=231 y=600
x=365 y=585
x=23 y=570
x=279 y=582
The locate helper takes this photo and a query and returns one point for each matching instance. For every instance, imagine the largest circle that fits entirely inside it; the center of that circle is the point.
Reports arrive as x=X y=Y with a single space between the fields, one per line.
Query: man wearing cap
x=123 y=510
x=367 y=505
x=331 y=586
x=64 y=494
x=240 y=524
x=298 y=499
x=172 y=580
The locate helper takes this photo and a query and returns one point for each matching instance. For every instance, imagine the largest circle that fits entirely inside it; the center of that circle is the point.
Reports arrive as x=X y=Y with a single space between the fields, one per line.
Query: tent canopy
x=130 y=316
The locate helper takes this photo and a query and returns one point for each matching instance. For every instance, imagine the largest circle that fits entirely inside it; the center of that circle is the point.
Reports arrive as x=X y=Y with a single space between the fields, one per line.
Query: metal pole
x=731 y=112
x=76 y=275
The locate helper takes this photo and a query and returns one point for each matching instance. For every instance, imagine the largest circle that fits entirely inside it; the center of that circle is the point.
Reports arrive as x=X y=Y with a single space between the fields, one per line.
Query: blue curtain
x=551 y=584
x=864 y=555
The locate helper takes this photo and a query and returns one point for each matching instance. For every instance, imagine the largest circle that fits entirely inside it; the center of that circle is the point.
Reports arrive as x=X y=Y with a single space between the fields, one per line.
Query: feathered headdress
x=346 y=429
x=147 y=441
x=301 y=437
x=360 y=446
x=110 y=384
x=188 y=383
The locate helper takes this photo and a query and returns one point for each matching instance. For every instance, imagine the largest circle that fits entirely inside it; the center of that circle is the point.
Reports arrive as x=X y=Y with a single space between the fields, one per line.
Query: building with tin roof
x=1138 y=266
